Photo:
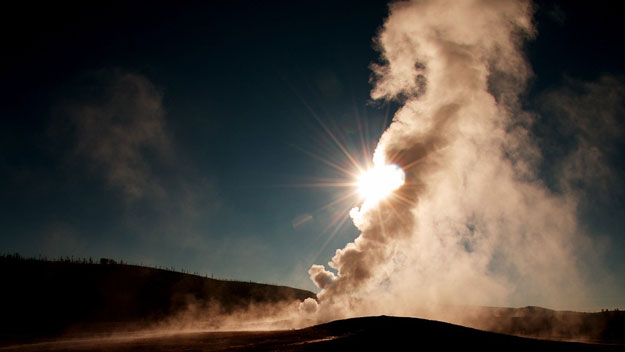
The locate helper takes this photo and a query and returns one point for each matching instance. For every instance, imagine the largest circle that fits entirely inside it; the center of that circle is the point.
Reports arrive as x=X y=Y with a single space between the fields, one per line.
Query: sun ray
x=337 y=200
x=318 y=185
x=325 y=128
x=337 y=228
x=344 y=170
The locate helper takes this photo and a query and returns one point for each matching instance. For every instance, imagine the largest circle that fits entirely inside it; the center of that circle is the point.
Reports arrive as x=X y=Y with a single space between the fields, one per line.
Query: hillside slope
x=47 y=297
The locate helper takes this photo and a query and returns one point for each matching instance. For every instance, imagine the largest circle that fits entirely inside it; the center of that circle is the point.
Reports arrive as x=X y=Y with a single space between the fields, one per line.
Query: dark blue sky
x=237 y=95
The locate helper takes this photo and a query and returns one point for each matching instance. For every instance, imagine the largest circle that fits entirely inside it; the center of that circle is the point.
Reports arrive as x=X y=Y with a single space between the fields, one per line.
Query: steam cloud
x=473 y=223
x=121 y=131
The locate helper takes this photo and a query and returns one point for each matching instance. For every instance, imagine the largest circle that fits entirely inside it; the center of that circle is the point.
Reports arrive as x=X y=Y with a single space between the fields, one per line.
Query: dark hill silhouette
x=39 y=297
x=395 y=333
x=359 y=334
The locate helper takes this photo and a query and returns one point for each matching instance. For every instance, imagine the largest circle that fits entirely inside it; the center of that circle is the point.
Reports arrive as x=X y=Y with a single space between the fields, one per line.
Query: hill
x=358 y=334
x=46 y=297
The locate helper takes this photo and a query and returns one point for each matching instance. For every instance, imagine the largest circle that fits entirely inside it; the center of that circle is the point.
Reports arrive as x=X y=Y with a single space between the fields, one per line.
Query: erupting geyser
x=470 y=224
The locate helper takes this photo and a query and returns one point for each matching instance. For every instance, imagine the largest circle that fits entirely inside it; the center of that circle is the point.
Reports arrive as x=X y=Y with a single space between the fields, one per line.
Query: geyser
x=473 y=224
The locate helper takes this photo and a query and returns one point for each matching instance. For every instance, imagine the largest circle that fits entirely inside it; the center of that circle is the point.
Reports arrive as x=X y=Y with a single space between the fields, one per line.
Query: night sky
x=203 y=135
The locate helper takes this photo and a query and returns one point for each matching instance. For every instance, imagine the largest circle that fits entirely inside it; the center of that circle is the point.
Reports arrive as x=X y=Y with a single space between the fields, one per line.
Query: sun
x=379 y=182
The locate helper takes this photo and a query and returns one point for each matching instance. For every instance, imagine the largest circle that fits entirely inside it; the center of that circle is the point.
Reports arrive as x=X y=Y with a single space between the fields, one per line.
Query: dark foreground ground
x=363 y=334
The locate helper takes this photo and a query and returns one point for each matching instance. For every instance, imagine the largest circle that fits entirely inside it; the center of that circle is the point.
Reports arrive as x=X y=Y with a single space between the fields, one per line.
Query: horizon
x=111 y=261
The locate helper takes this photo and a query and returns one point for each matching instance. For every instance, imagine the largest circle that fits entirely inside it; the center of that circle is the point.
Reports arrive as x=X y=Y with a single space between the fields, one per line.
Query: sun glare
x=378 y=182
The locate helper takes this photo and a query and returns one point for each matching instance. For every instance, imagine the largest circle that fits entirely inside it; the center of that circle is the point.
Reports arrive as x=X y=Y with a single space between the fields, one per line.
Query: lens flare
x=378 y=182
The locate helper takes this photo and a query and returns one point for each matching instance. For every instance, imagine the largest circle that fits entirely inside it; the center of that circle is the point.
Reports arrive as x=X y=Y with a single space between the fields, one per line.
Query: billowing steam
x=472 y=224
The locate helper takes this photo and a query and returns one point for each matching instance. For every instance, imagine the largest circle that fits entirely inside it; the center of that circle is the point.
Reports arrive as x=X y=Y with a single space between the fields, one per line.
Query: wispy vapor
x=589 y=121
x=581 y=135
x=122 y=131
x=473 y=224
x=121 y=136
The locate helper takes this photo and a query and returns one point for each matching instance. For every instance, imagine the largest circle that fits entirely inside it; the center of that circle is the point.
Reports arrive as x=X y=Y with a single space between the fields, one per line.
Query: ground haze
x=47 y=298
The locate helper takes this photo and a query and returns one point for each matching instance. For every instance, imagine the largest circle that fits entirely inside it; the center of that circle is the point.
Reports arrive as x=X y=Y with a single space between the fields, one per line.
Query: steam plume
x=473 y=224
x=117 y=133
